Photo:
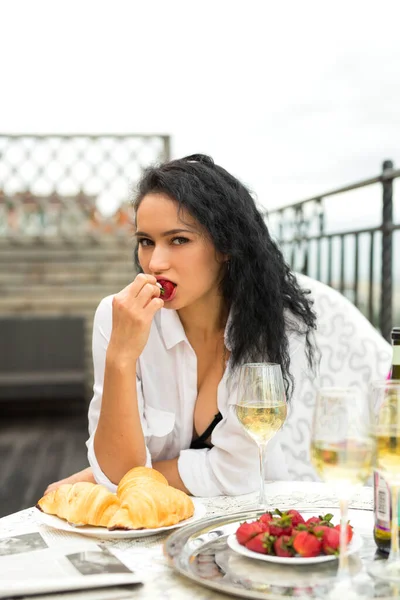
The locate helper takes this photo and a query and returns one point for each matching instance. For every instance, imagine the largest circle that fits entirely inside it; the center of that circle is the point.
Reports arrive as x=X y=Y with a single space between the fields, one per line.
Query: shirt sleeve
x=102 y=327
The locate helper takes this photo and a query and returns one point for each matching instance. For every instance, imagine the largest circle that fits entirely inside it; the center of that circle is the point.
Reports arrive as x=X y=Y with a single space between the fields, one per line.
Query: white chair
x=352 y=353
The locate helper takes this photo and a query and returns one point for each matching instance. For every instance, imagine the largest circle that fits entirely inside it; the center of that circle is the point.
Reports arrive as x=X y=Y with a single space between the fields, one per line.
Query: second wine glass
x=342 y=452
x=261 y=408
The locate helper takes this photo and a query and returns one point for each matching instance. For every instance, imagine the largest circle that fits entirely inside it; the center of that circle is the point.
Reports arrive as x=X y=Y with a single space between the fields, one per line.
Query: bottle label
x=396 y=355
x=382 y=503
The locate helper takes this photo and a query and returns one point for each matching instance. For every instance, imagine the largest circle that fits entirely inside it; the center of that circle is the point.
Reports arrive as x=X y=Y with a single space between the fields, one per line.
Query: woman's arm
x=118 y=443
x=169 y=468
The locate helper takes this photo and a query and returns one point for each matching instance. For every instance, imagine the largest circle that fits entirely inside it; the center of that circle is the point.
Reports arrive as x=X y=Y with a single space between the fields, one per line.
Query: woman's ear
x=222 y=259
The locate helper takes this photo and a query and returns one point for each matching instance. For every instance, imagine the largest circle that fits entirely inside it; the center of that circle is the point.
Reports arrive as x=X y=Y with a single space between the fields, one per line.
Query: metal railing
x=300 y=228
x=71 y=187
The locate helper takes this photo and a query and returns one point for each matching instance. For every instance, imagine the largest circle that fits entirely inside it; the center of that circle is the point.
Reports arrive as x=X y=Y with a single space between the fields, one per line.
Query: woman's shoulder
x=105 y=304
x=103 y=314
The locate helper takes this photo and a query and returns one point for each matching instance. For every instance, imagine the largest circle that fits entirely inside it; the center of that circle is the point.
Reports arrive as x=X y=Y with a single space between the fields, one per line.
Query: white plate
x=232 y=542
x=101 y=532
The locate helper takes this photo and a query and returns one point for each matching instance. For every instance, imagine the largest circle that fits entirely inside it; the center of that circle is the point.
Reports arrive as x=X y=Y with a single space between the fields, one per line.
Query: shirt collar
x=171 y=328
x=173 y=332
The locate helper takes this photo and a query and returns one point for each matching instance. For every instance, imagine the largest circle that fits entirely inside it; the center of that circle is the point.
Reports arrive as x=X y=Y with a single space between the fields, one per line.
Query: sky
x=294 y=98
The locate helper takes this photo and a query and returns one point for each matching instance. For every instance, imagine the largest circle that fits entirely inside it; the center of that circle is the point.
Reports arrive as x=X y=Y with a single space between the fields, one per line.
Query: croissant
x=81 y=503
x=147 y=501
x=144 y=500
x=138 y=477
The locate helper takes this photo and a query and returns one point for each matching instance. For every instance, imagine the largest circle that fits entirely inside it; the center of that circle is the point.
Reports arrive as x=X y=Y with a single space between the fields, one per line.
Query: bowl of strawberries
x=288 y=538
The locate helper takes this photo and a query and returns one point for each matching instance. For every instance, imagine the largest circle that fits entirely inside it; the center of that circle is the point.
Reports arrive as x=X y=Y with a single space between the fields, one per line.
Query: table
x=146 y=554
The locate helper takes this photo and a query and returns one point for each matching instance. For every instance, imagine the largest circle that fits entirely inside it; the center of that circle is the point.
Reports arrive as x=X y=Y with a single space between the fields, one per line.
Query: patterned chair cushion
x=352 y=353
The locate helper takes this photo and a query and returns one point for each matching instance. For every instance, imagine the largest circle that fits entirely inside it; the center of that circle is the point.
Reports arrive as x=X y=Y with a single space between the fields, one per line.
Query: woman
x=214 y=293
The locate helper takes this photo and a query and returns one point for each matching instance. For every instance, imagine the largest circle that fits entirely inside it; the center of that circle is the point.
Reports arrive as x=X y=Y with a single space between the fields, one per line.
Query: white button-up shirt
x=167 y=392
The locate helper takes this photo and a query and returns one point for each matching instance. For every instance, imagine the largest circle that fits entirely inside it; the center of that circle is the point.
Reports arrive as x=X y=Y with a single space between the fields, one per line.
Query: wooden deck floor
x=36 y=450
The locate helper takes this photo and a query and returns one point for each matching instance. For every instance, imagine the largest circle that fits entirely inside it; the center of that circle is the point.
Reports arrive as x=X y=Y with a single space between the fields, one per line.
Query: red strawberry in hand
x=246 y=531
x=307 y=544
x=167 y=287
x=349 y=531
x=331 y=540
x=283 y=546
x=262 y=543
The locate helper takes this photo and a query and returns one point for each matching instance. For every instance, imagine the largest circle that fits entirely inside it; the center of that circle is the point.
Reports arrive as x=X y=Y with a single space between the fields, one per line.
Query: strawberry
x=313 y=521
x=283 y=546
x=294 y=515
x=297 y=519
x=261 y=543
x=330 y=542
x=349 y=531
x=304 y=527
x=280 y=526
x=257 y=543
x=167 y=288
x=321 y=520
x=321 y=531
x=307 y=544
x=326 y=519
x=246 y=531
x=266 y=518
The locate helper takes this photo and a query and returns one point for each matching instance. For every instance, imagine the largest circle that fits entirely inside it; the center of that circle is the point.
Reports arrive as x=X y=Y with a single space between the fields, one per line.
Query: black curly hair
x=260 y=290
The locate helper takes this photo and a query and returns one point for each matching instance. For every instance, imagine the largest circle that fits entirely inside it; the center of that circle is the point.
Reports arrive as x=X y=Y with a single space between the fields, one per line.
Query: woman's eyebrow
x=169 y=232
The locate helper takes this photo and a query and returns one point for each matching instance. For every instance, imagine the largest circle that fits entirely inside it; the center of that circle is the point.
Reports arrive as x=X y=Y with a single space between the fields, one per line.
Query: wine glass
x=385 y=427
x=342 y=452
x=261 y=408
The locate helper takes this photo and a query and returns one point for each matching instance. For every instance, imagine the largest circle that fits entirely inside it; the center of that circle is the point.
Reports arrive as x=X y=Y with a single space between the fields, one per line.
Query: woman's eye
x=177 y=241
x=144 y=242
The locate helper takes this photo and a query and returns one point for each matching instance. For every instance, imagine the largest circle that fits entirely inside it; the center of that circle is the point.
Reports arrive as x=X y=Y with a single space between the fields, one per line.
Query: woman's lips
x=168 y=289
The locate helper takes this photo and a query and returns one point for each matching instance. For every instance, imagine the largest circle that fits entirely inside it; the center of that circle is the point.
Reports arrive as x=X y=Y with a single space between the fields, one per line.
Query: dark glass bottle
x=382 y=502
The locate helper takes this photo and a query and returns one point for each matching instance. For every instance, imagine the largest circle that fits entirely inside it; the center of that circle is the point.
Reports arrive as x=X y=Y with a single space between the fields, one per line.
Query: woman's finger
x=147 y=293
x=154 y=305
x=134 y=288
x=141 y=281
x=53 y=486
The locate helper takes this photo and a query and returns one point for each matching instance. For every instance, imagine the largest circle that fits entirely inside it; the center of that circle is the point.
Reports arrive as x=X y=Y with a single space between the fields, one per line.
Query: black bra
x=200 y=442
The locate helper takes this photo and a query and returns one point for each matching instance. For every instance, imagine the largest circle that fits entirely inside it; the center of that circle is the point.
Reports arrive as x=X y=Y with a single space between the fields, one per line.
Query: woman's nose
x=159 y=260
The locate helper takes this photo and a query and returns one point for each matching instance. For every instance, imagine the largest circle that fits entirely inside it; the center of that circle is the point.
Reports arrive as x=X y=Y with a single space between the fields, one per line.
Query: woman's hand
x=85 y=475
x=132 y=313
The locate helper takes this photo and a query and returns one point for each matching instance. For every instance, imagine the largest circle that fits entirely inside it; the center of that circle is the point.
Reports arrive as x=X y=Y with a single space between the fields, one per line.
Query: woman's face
x=176 y=250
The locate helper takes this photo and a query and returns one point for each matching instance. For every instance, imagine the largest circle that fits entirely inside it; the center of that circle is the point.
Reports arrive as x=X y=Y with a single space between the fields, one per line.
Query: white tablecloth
x=146 y=554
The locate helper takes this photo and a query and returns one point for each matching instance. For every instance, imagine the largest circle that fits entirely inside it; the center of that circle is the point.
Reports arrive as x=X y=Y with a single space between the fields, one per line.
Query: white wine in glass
x=342 y=453
x=261 y=422
x=261 y=408
x=343 y=464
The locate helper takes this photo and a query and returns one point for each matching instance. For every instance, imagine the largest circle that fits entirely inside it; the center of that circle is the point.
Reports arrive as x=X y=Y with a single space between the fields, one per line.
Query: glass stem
x=262 y=500
x=343 y=570
x=394 y=555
